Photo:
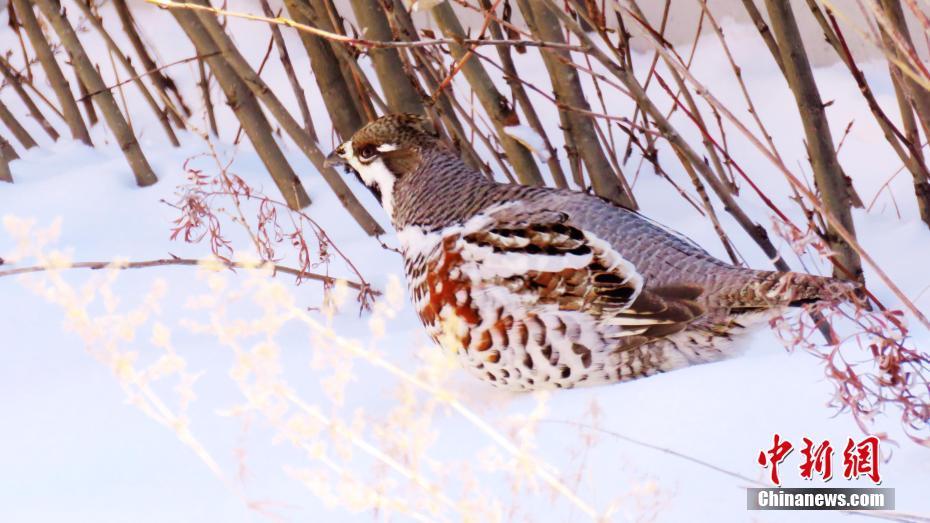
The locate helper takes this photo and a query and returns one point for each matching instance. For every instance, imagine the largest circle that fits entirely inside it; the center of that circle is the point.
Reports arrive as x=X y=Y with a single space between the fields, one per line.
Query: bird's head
x=384 y=151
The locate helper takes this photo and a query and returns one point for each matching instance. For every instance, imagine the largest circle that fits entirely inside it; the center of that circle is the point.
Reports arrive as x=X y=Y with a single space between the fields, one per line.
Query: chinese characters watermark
x=859 y=459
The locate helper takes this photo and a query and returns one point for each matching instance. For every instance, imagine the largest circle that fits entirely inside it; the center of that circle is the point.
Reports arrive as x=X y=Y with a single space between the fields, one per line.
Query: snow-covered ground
x=272 y=408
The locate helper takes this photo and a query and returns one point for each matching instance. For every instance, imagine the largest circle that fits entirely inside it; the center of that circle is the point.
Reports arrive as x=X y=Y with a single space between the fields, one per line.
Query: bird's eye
x=367 y=152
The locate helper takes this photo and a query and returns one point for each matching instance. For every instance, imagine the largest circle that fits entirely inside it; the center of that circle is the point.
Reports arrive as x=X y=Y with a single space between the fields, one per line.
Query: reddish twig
x=468 y=54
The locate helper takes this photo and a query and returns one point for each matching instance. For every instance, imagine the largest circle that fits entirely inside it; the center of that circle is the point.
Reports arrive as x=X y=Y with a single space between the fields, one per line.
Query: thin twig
x=804 y=190
x=291 y=75
x=122 y=265
x=360 y=42
x=147 y=73
x=16 y=81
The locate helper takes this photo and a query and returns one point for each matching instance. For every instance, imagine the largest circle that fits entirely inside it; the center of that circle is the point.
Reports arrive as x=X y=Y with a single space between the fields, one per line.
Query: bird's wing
x=544 y=256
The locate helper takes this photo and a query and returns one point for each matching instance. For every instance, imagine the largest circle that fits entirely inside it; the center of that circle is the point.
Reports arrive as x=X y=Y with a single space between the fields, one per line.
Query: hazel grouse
x=535 y=287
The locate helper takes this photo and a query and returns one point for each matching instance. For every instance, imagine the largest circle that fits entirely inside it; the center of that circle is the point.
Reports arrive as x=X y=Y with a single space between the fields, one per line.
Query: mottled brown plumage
x=539 y=287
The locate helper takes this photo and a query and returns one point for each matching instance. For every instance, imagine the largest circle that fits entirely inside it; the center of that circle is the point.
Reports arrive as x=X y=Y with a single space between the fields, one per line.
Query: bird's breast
x=499 y=332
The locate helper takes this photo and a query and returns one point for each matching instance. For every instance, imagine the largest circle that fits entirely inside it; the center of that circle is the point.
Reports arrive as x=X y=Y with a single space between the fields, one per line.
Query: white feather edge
x=485 y=265
x=374 y=173
x=415 y=241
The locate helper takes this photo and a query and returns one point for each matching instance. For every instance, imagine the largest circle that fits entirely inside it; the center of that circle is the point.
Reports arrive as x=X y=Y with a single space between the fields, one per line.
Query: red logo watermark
x=859 y=459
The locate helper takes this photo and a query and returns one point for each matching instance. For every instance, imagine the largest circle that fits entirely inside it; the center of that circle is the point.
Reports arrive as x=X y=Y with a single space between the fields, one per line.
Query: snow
x=286 y=392
x=530 y=138
x=424 y=5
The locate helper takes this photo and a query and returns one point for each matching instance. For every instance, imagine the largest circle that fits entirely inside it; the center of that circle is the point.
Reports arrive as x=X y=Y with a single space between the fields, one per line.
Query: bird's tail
x=795 y=288
x=773 y=289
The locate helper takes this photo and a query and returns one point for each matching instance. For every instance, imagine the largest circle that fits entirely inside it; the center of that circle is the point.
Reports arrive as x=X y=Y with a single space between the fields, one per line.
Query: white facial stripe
x=387 y=147
x=373 y=173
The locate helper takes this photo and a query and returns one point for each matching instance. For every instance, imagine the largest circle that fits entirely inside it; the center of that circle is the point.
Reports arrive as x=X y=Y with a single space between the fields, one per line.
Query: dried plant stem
x=796 y=183
x=519 y=93
x=204 y=85
x=25 y=81
x=403 y=25
x=14 y=23
x=398 y=87
x=910 y=153
x=708 y=208
x=737 y=72
x=470 y=52
x=19 y=132
x=7 y=150
x=85 y=99
x=359 y=42
x=293 y=129
x=164 y=262
x=485 y=140
x=449 y=109
x=904 y=55
x=709 y=144
x=431 y=489
x=566 y=86
x=494 y=103
x=249 y=113
x=16 y=81
x=121 y=83
x=540 y=469
x=361 y=91
x=162 y=82
x=916 y=94
x=366 y=97
x=915 y=162
x=5 y=174
x=625 y=58
x=40 y=95
x=639 y=95
x=104 y=99
x=339 y=96
x=291 y=75
x=136 y=78
x=828 y=174
x=764 y=31
x=122 y=92
x=261 y=67
x=69 y=108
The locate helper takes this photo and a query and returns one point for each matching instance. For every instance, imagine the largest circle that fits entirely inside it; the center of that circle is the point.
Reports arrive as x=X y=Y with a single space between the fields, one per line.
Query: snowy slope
x=76 y=445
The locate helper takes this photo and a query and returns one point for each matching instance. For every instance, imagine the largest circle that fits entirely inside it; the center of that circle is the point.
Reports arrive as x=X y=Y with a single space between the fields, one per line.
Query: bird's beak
x=335 y=158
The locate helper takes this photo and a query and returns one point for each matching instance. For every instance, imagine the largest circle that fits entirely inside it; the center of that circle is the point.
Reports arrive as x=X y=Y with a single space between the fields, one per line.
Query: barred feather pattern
x=535 y=287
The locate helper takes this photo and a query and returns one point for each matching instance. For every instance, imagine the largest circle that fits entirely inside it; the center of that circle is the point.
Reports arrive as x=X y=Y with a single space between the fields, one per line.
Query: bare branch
x=827 y=171
x=397 y=86
x=795 y=182
x=5 y=174
x=566 y=85
x=358 y=42
x=104 y=99
x=14 y=79
x=69 y=108
x=494 y=103
x=291 y=75
x=162 y=81
x=135 y=77
x=164 y=262
x=20 y=132
x=241 y=67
